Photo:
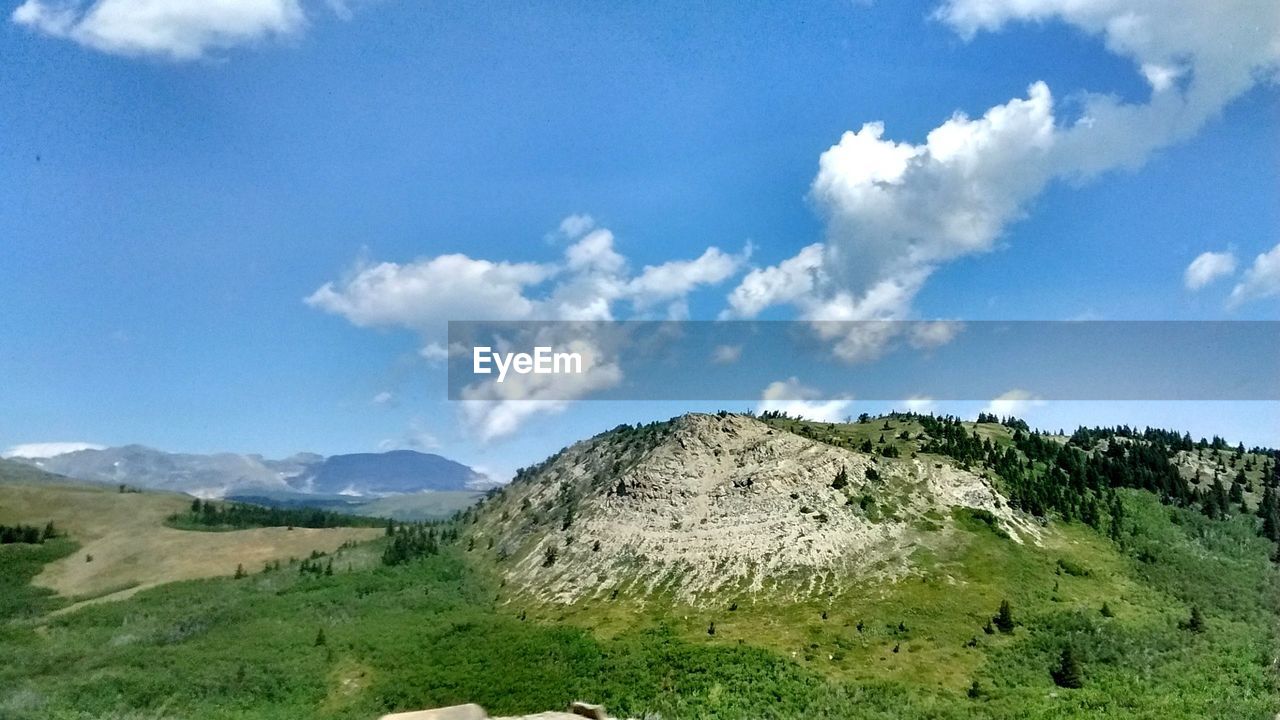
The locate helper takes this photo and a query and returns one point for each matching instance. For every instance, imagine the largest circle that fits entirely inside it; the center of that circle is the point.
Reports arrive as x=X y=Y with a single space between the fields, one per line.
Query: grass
x=130 y=546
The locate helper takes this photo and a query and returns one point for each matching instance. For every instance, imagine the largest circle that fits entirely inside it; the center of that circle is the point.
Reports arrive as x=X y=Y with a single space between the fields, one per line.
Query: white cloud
x=575 y=226
x=790 y=281
x=797 y=400
x=1015 y=402
x=926 y=335
x=1208 y=267
x=48 y=449
x=174 y=29
x=422 y=295
x=676 y=279
x=384 y=398
x=1261 y=280
x=920 y=404
x=726 y=354
x=591 y=282
x=434 y=352
x=895 y=211
x=593 y=277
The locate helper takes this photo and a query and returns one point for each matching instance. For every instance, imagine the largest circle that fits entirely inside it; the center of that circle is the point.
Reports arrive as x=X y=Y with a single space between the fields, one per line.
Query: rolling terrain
x=125 y=546
x=718 y=566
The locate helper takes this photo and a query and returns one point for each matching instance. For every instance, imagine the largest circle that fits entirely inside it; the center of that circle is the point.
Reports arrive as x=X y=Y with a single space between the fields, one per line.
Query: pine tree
x=1195 y=623
x=1107 y=611
x=842 y=479
x=320 y=638
x=1067 y=674
x=239 y=572
x=1004 y=619
x=711 y=629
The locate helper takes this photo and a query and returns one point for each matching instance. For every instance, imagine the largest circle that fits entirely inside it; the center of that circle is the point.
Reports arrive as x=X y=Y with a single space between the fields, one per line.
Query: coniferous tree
x=1195 y=623
x=1067 y=673
x=1004 y=618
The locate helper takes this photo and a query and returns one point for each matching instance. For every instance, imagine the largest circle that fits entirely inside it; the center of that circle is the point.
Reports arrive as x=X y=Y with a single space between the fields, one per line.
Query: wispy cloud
x=48 y=449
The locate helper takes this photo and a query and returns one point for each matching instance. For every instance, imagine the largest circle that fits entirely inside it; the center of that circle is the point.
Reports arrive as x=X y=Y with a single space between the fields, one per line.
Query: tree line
x=237 y=516
x=26 y=534
x=1078 y=479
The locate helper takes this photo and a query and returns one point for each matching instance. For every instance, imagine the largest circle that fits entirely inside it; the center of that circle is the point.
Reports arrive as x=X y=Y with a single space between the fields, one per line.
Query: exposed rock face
x=707 y=504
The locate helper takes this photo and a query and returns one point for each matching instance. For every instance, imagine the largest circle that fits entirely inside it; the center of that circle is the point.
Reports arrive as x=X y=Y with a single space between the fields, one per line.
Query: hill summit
x=704 y=504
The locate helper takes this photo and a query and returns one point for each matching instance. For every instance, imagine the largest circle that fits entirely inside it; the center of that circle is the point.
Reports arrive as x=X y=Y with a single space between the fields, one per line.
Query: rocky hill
x=706 y=504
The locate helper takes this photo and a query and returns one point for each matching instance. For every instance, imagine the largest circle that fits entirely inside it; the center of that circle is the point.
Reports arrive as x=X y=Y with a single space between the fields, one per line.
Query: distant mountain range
x=361 y=475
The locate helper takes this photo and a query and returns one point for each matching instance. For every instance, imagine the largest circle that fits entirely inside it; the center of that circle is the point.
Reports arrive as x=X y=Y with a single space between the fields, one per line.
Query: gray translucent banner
x=874 y=360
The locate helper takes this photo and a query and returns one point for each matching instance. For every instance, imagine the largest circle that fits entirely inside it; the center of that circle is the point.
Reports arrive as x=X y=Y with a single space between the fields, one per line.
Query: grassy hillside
x=442 y=628
x=124 y=545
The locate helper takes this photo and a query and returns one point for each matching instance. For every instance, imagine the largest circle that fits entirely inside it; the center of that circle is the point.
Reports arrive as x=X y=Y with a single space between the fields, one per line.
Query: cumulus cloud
x=793 y=280
x=1015 y=402
x=1261 y=280
x=790 y=396
x=48 y=449
x=173 y=29
x=384 y=398
x=588 y=284
x=591 y=282
x=422 y=295
x=895 y=211
x=672 y=280
x=1208 y=267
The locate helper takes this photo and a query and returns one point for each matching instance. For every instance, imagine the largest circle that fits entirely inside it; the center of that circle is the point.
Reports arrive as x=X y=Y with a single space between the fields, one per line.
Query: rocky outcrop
x=707 y=504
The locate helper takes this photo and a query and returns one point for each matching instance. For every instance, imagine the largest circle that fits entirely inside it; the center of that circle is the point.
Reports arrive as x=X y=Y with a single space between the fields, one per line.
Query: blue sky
x=178 y=186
